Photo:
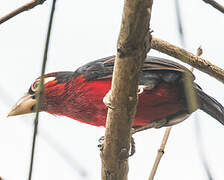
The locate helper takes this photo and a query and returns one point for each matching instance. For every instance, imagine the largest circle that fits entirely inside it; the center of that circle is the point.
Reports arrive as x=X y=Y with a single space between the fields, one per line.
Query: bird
x=162 y=99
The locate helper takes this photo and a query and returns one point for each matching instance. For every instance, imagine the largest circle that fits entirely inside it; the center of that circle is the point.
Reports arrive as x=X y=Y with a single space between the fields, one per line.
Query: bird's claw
x=107 y=101
x=132 y=152
x=124 y=154
x=101 y=143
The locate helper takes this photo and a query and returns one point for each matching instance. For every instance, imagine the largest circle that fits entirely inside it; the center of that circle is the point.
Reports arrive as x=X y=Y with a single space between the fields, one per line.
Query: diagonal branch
x=189 y=58
x=21 y=9
x=160 y=153
x=132 y=48
x=215 y=5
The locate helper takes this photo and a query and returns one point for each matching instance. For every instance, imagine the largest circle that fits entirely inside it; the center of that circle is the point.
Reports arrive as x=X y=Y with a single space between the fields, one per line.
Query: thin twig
x=41 y=89
x=21 y=9
x=160 y=153
x=189 y=58
x=198 y=53
x=215 y=5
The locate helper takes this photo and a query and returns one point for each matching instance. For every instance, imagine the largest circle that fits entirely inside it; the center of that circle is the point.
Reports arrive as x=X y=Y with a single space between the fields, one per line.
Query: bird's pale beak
x=25 y=105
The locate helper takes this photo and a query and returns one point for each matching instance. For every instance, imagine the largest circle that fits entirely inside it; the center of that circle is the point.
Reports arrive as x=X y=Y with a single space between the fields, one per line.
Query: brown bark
x=215 y=5
x=21 y=9
x=133 y=45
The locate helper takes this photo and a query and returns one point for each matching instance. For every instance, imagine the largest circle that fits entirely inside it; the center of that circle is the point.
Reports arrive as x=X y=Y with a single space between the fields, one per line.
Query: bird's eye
x=35 y=85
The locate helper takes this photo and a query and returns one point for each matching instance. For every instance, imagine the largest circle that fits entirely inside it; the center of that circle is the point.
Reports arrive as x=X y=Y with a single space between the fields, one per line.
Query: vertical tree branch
x=133 y=45
x=41 y=88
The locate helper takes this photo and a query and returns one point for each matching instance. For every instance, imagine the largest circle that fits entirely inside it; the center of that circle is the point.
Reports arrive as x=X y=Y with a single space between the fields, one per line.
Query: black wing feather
x=154 y=69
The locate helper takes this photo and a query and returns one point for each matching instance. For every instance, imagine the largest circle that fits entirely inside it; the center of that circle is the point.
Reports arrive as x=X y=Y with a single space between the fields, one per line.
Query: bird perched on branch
x=79 y=95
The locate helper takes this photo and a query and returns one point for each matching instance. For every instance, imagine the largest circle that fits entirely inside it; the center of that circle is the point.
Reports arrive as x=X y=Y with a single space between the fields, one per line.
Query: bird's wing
x=154 y=70
x=99 y=69
x=157 y=69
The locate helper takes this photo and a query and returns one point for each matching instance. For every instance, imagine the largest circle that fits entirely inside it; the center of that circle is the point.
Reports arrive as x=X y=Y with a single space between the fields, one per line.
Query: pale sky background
x=84 y=31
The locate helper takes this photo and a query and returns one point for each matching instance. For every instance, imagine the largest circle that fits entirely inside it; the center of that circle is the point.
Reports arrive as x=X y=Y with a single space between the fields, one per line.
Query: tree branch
x=132 y=48
x=41 y=88
x=189 y=58
x=21 y=9
x=160 y=153
x=215 y=5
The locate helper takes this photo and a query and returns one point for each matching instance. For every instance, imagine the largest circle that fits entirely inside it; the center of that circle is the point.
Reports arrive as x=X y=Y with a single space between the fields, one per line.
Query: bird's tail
x=209 y=105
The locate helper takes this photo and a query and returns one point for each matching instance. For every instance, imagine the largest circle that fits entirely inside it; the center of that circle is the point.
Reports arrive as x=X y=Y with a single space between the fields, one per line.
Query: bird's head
x=55 y=87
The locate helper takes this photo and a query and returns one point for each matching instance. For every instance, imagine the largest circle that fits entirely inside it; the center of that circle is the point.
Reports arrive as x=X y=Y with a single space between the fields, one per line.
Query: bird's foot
x=107 y=101
x=100 y=145
x=124 y=153
x=132 y=151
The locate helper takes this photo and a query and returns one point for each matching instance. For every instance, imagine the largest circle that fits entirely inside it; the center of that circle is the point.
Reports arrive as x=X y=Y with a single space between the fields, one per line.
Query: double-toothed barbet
x=79 y=95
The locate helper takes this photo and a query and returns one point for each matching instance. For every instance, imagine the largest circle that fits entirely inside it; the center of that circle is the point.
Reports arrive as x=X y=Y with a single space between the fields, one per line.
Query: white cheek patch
x=47 y=79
